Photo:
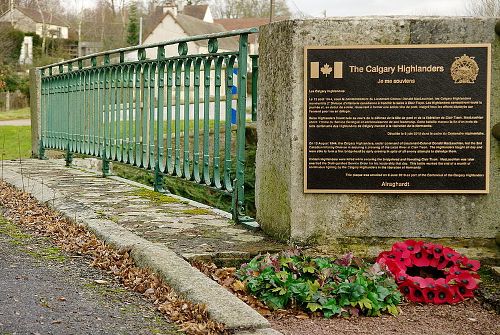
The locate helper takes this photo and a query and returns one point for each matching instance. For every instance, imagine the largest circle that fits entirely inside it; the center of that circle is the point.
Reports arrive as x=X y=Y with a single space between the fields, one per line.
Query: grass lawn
x=18 y=114
x=15 y=142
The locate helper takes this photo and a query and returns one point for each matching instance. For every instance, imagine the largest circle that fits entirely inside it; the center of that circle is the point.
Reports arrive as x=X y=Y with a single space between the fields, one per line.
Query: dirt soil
x=45 y=291
x=461 y=319
x=471 y=317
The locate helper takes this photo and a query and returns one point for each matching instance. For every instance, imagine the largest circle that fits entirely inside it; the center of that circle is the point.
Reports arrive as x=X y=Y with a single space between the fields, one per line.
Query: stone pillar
x=286 y=212
x=35 y=104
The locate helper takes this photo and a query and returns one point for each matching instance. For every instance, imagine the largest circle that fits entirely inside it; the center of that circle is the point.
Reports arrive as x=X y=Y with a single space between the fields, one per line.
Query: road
x=43 y=291
x=23 y=122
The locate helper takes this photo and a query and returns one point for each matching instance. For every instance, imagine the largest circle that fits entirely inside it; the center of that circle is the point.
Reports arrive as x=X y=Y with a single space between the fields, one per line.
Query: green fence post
x=238 y=209
x=39 y=108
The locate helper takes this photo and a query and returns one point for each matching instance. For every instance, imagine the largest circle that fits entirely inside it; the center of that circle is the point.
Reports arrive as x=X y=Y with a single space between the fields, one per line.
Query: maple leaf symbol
x=326 y=69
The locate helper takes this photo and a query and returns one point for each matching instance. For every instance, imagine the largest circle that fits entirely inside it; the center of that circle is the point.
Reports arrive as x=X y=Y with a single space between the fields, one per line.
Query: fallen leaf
x=149 y=291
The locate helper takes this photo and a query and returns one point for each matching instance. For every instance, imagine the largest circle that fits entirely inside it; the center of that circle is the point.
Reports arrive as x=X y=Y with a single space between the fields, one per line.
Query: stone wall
x=286 y=212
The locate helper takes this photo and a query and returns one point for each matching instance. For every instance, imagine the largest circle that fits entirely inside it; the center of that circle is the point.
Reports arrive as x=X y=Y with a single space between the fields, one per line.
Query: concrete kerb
x=177 y=272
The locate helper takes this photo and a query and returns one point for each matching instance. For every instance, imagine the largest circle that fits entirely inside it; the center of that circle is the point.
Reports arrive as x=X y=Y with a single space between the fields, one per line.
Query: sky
x=316 y=8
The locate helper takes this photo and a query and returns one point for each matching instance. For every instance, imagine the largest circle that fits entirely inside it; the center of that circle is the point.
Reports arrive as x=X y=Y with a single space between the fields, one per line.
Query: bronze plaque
x=397 y=119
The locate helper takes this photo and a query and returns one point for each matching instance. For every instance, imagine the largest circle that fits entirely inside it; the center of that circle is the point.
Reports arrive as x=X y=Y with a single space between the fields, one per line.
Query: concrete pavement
x=162 y=232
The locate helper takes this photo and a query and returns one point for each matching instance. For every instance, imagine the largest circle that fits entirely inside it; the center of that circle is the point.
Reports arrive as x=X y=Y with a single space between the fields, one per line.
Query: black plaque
x=397 y=119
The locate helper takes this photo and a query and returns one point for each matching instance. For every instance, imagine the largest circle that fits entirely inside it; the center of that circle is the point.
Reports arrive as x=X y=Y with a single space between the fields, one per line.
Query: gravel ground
x=468 y=318
x=44 y=291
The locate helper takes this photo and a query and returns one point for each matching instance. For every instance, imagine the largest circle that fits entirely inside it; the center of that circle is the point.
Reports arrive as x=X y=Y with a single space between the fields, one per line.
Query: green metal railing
x=169 y=113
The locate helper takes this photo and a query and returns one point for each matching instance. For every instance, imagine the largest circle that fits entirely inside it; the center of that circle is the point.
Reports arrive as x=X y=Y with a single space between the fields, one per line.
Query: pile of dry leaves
x=23 y=209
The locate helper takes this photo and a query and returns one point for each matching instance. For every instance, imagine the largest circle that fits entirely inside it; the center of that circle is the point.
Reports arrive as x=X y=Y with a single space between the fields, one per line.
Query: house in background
x=201 y=12
x=171 y=24
x=40 y=22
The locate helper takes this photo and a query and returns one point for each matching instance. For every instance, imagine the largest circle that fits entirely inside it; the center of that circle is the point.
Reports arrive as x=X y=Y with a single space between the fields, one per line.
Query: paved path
x=47 y=293
x=23 y=122
x=190 y=229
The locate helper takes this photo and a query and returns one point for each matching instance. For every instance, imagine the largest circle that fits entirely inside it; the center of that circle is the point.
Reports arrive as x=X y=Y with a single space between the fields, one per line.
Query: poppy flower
x=413 y=246
x=465 y=279
x=443 y=294
x=417 y=295
x=420 y=259
x=437 y=250
x=417 y=281
x=462 y=291
x=472 y=265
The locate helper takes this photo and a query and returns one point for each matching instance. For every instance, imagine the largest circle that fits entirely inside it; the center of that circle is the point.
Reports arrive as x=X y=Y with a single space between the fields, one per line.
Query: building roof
x=36 y=16
x=197 y=11
x=193 y=27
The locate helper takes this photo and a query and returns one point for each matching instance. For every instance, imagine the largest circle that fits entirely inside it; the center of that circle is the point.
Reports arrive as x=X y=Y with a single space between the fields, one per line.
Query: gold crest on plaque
x=464 y=70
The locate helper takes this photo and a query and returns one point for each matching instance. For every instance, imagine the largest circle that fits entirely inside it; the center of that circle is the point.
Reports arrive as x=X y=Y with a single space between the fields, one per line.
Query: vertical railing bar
x=152 y=132
x=50 y=118
x=161 y=97
x=57 y=103
x=137 y=130
x=107 y=103
x=144 y=116
x=227 y=135
x=177 y=136
x=62 y=106
x=130 y=155
x=217 y=104
x=206 y=121
x=57 y=112
x=86 y=118
x=196 y=130
x=120 y=107
x=95 y=113
x=187 y=83
x=81 y=115
x=159 y=165
x=77 y=118
x=112 y=113
x=106 y=150
x=170 y=164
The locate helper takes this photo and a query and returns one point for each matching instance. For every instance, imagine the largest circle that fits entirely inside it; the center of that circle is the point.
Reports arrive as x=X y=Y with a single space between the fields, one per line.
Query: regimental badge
x=464 y=70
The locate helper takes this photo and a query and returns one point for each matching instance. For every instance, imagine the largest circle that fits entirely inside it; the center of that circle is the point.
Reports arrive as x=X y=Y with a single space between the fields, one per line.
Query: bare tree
x=248 y=8
x=483 y=8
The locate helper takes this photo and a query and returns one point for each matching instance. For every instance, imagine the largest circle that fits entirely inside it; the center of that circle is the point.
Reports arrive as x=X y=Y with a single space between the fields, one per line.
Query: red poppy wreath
x=431 y=273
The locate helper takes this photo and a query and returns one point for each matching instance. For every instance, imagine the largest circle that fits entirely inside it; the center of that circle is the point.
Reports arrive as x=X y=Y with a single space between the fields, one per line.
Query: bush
x=12 y=81
x=11 y=41
x=330 y=287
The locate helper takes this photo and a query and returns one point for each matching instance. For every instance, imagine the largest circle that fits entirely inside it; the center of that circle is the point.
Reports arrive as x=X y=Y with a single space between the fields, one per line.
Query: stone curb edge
x=222 y=306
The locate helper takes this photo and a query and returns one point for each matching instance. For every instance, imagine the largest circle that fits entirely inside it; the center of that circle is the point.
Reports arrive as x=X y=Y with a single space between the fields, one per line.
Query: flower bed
x=431 y=273
x=320 y=286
